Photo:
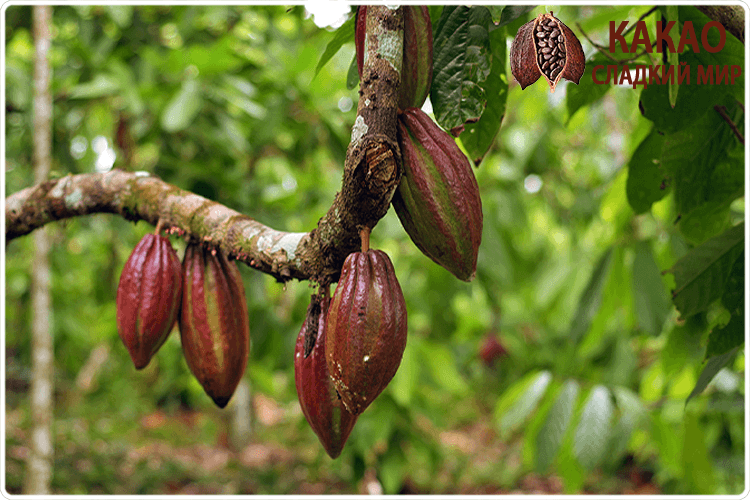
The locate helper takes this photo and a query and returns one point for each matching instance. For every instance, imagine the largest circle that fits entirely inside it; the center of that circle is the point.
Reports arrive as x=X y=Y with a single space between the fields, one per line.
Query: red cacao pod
x=366 y=330
x=318 y=399
x=148 y=297
x=545 y=46
x=214 y=325
x=438 y=199
x=416 y=72
x=492 y=350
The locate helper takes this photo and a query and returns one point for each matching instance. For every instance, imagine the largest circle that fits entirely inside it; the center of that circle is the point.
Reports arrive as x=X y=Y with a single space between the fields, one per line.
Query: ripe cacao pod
x=416 y=72
x=438 y=199
x=318 y=399
x=545 y=46
x=492 y=350
x=148 y=297
x=366 y=329
x=214 y=325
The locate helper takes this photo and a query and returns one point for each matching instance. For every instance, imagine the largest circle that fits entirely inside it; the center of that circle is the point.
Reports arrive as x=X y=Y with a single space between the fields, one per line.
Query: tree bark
x=372 y=172
x=39 y=473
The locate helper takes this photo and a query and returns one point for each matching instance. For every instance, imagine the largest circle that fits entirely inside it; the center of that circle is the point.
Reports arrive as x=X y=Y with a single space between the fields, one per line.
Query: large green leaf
x=632 y=416
x=520 y=400
x=551 y=434
x=594 y=427
x=693 y=101
x=182 y=108
x=691 y=157
x=731 y=54
x=647 y=182
x=591 y=298
x=508 y=13
x=461 y=63
x=713 y=366
x=650 y=297
x=477 y=138
x=701 y=275
x=344 y=34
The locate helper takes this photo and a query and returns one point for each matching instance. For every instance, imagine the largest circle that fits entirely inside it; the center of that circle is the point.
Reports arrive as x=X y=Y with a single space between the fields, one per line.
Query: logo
x=546 y=47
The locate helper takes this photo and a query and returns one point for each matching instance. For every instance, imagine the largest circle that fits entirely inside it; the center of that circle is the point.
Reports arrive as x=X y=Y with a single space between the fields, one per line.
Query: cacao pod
x=214 y=325
x=416 y=72
x=148 y=297
x=318 y=399
x=545 y=46
x=438 y=199
x=366 y=329
x=492 y=350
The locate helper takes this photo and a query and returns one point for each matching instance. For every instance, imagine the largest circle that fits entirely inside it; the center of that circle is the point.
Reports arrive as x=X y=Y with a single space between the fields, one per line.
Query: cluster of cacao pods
x=358 y=339
x=437 y=199
x=205 y=295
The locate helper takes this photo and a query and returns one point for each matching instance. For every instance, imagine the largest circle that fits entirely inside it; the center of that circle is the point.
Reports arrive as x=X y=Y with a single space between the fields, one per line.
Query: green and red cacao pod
x=366 y=329
x=214 y=325
x=148 y=297
x=416 y=72
x=318 y=399
x=438 y=199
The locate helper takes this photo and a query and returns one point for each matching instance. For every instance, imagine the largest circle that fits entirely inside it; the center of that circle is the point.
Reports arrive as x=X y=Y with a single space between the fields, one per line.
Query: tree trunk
x=39 y=473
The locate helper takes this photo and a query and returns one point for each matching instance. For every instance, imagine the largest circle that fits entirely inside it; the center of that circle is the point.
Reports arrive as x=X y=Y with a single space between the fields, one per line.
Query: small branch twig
x=723 y=113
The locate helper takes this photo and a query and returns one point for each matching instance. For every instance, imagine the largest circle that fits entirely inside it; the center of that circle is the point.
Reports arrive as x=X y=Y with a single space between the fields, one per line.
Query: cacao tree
x=246 y=178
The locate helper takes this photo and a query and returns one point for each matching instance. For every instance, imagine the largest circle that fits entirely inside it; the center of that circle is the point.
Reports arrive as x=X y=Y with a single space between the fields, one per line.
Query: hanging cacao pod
x=416 y=72
x=366 y=329
x=214 y=325
x=318 y=399
x=148 y=297
x=438 y=199
x=545 y=46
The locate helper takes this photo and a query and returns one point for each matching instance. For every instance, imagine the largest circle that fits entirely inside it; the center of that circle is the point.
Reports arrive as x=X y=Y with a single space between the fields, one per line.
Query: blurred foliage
x=230 y=102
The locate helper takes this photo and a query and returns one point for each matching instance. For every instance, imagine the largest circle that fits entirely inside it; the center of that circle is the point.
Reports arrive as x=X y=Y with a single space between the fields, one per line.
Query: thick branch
x=371 y=175
x=732 y=17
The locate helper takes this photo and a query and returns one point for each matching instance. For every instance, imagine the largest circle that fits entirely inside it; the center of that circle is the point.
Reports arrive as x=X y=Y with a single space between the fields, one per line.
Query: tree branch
x=732 y=17
x=372 y=172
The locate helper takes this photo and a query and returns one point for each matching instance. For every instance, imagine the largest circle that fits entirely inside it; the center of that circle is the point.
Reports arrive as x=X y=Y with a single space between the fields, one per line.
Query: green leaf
x=646 y=181
x=461 y=62
x=731 y=54
x=519 y=401
x=352 y=76
x=692 y=102
x=713 y=366
x=696 y=458
x=344 y=34
x=101 y=85
x=695 y=156
x=182 y=108
x=673 y=58
x=683 y=345
x=477 y=138
x=592 y=433
x=508 y=13
x=632 y=416
x=728 y=337
x=586 y=92
x=650 y=297
x=591 y=298
x=553 y=431
x=702 y=274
